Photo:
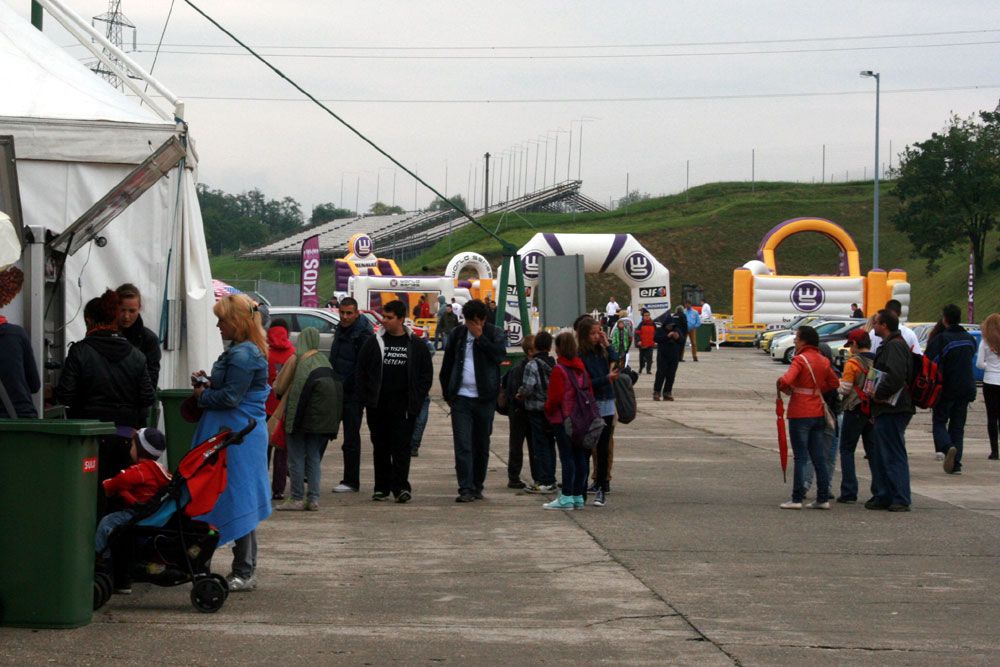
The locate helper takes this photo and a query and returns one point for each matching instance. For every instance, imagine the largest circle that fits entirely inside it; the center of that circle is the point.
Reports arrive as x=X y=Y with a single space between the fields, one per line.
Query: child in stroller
x=163 y=544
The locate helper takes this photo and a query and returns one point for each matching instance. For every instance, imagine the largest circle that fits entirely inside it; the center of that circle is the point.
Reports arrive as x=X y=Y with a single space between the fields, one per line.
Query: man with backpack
x=519 y=430
x=533 y=392
x=892 y=410
x=953 y=350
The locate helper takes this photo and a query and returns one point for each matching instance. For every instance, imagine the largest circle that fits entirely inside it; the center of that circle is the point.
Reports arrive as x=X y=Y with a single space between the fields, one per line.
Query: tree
x=249 y=218
x=326 y=212
x=441 y=205
x=378 y=208
x=949 y=189
x=632 y=198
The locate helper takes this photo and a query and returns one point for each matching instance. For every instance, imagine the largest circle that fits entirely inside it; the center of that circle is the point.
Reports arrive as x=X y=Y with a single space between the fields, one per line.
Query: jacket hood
x=277 y=339
x=441 y=300
x=110 y=346
x=575 y=363
x=308 y=340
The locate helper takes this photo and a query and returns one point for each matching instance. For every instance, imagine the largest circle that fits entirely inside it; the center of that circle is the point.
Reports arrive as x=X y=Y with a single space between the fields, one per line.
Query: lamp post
x=875 y=75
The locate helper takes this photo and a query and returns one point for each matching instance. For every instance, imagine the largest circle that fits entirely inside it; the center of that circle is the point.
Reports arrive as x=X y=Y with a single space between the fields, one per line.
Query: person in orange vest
x=644 y=339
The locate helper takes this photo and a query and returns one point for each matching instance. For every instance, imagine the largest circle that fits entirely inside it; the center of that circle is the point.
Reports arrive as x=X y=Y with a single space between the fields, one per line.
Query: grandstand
x=405 y=234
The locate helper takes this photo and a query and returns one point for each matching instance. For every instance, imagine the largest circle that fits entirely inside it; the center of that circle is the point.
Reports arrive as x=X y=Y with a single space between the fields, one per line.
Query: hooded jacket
x=419 y=372
x=105 y=378
x=562 y=389
x=316 y=396
x=487 y=352
x=17 y=370
x=148 y=343
x=279 y=351
x=959 y=384
x=347 y=342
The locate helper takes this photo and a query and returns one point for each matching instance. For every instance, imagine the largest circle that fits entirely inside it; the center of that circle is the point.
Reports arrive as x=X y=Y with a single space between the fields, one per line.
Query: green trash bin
x=704 y=336
x=178 y=432
x=512 y=359
x=48 y=489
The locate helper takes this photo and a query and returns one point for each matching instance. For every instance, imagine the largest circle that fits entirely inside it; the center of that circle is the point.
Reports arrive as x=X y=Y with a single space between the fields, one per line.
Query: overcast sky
x=437 y=84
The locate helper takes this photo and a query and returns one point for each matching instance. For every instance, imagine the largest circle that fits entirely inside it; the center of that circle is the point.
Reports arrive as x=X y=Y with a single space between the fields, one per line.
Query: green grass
x=703 y=235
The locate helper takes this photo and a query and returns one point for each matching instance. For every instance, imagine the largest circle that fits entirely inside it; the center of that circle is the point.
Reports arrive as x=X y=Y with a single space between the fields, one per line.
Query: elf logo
x=652 y=292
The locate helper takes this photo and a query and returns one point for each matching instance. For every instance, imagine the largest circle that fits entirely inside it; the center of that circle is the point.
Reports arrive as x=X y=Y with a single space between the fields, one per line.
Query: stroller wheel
x=208 y=595
x=222 y=582
x=102 y=589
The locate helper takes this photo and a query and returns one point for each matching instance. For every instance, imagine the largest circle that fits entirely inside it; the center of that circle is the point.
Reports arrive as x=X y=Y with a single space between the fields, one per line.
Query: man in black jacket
x=352 y=332
x=671 y=333
x=892 y=410
x=394 y=376
x=131 y=327
x=954 y=351
x=470 y=382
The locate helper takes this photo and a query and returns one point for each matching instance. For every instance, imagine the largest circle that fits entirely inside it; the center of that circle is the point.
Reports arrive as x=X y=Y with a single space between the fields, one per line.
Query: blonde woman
x=988 y=359
x=232 y=395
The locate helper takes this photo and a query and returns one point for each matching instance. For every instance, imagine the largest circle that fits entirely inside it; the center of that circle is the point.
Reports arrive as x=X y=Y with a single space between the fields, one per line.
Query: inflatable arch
x=483 y=285
x=761 y=295
x=620 y=254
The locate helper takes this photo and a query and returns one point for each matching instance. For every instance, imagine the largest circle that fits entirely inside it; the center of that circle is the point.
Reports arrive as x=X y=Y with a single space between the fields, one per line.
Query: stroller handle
x=237 y=438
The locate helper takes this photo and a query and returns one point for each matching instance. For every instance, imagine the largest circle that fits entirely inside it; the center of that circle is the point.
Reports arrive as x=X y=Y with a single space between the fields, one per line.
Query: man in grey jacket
x=892 y=410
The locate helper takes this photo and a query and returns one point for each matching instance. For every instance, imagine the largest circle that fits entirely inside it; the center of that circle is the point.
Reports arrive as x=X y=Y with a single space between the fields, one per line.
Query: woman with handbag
x=232 y=395
x=598 y=356
x=808 y=416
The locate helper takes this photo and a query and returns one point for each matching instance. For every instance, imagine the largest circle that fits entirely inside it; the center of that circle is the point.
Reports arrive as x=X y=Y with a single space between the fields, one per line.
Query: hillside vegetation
x=703 y=235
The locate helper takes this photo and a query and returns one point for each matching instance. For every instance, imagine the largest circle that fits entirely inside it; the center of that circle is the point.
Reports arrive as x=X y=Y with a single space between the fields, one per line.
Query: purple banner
x=309 y=277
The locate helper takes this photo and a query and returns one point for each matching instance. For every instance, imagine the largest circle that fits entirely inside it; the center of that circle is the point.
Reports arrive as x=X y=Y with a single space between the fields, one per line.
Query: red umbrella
x=779 y=409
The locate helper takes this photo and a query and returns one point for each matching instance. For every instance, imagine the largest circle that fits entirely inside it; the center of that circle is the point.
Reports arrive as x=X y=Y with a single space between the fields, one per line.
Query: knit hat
x=152 y=441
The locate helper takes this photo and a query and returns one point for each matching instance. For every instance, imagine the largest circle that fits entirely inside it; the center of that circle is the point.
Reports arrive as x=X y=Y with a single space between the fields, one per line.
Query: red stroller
x=164 y=545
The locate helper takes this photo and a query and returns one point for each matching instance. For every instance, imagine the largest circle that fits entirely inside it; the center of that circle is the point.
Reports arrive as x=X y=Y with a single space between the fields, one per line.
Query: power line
x=590 y=56
x=547 y=100
x=509 y=47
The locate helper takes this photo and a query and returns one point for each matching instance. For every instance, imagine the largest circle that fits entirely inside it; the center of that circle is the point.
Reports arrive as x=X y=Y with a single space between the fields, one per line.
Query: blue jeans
x=890 y=466
x=832 y=445
x=420 y=423
x=471 y=426
x=809 y=442
x=107 y=526
x=855 y=425
x=245 y=555
x=949 y=427
x=575 y=464
x=305 y=451
x=543 y=443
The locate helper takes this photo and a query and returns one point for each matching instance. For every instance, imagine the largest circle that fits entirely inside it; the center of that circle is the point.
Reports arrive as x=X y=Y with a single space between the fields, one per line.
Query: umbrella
x=222 y=289
x=779 y=409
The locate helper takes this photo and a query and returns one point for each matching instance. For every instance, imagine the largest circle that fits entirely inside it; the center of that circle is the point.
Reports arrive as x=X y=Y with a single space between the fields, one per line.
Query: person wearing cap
x=856 y=410
x=133 y=486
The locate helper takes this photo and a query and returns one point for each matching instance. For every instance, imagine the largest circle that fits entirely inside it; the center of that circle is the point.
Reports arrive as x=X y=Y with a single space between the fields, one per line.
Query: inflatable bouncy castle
x=764 y=296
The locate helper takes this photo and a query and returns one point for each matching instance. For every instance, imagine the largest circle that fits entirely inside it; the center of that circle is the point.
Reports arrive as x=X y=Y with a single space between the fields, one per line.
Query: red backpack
x=924 y=383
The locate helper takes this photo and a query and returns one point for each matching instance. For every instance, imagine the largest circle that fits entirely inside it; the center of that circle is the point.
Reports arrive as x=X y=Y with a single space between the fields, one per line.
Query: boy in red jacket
x=135 y=485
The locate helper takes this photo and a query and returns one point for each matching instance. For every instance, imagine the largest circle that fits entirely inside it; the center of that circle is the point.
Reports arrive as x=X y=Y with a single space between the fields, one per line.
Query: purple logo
x=638 y=266
x=531 y=263
x=362 y=245
x=807 y=296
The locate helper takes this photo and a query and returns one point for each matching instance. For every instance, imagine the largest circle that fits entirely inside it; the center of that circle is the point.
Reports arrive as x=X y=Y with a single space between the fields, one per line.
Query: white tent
x=75 y=138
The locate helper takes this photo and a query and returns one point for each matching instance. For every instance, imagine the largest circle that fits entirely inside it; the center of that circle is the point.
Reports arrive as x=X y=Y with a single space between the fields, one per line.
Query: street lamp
x=875 y=75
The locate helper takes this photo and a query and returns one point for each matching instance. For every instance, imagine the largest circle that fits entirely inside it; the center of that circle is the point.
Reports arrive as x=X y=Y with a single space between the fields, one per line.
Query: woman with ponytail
x=988 y=359
x=105 y=378
x=234 y=393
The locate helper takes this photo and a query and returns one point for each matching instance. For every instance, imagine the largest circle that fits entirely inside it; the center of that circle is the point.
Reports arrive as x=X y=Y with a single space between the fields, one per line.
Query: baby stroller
x=163 y=544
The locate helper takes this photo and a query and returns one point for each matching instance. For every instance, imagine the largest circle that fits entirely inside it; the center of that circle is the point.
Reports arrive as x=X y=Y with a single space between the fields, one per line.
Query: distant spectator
x=693 y=320
x=857 y=312
x=988 y=359
x=954 y=349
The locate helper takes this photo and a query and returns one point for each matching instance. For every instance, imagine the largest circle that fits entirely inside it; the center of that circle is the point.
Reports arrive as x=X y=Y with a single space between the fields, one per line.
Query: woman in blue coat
x=235 y=394
x=598 y=357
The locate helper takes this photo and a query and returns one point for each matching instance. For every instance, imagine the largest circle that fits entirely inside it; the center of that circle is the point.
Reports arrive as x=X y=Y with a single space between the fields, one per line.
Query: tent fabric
x=76 y=137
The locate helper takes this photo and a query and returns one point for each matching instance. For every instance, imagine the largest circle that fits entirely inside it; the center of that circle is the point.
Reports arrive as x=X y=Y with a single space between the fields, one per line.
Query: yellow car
x=764 y=339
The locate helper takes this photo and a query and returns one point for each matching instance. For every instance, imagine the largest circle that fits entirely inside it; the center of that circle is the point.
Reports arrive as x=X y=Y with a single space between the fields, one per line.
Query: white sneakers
x=344 y=488
x=241 y=585
x=790 y=505
x=814 y=505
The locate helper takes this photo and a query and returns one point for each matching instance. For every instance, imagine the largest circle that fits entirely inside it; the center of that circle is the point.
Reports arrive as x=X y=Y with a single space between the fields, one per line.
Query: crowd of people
x=874 y=399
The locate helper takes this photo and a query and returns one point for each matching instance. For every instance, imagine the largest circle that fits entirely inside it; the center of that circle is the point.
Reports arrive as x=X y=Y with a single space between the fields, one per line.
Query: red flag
x=309 y=279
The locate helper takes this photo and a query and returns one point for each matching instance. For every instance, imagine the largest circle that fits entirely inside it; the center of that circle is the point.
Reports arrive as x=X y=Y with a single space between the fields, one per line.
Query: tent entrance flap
x=110 y=206
x=10 y=203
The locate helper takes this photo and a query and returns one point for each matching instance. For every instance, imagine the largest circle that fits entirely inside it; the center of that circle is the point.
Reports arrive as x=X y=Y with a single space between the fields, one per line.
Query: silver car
x=298 y=318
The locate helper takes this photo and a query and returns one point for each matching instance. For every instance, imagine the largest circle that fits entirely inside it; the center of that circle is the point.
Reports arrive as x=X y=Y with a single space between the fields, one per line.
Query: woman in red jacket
x=568 y=377
x=807 y=379
x=279 y=350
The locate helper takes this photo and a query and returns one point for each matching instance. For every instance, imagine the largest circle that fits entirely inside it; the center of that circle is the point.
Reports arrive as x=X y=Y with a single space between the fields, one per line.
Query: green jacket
x=316 y=396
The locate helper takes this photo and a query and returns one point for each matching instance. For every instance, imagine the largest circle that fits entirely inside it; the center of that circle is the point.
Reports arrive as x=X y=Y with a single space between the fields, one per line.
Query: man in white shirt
x=612 y=308
x=896 y=308
x=706 y=312
x=456 y=308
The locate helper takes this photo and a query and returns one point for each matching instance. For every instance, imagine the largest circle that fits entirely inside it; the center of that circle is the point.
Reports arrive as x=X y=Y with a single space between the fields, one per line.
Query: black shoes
x=874 y=504
x=895 y=507
x=465 y=498
x=478 y=495
x=414 y=452
x=380 y=495
x=403 y=497
x=847 y=499
x=516 y=484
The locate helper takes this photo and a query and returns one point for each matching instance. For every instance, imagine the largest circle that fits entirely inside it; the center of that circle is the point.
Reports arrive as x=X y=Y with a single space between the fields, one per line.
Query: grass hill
x=701 y=236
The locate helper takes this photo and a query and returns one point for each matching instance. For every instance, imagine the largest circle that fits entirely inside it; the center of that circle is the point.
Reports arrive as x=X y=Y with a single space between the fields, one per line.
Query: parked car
x=765 y=338
x=299 y=318
x=833 y=333
x=375 y=318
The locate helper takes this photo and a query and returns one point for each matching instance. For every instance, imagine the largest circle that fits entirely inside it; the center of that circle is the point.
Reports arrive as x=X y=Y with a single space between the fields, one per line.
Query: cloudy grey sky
x=437 y=84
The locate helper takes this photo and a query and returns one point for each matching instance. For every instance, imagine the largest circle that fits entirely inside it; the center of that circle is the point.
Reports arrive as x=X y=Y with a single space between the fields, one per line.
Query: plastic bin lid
x=57 y=426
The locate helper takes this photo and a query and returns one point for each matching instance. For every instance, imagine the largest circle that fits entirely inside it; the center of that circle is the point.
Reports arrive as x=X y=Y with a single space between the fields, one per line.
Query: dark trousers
x=520 y=431
x=575 y=464
x=391 y=432
x=890 y=465
x=279 y=457
x=646 y=359
x=991 y=396
x=856 y=425
x=602 y=454
x=351 y=416
x=666 y=371
x=543 y=446
x=112 y=457
x=949 y=427
x=471 y=426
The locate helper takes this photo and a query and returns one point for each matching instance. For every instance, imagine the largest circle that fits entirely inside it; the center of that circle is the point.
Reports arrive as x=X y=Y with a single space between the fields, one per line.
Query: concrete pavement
x=691 y=562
